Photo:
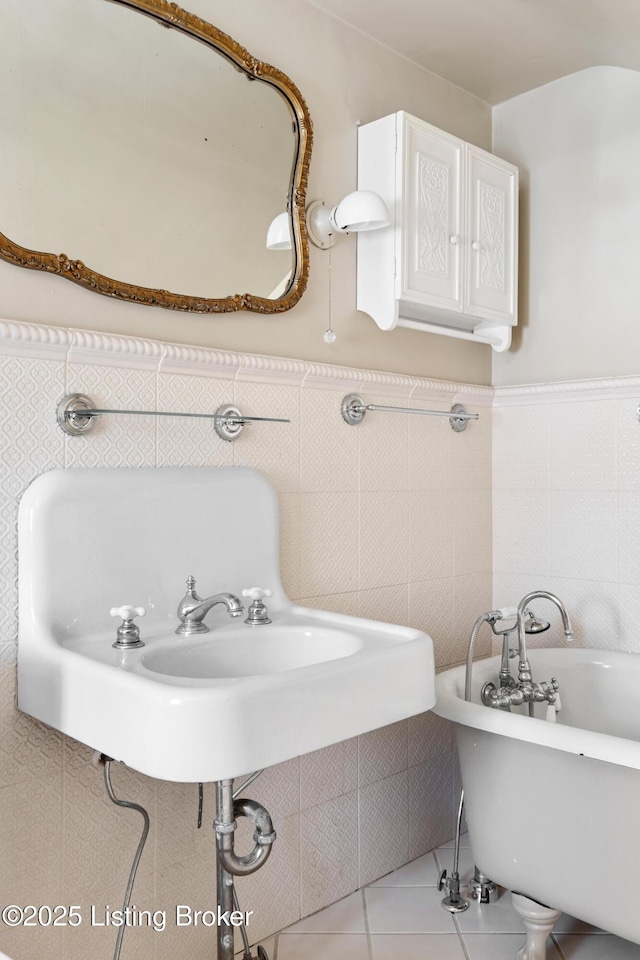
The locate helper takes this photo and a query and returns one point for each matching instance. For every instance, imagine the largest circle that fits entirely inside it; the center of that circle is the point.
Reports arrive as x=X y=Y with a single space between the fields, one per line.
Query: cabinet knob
x=475 y=245
x=454 y=239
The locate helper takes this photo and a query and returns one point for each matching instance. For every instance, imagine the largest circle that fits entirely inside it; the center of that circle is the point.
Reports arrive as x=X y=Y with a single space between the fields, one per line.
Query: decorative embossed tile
x=430 y=448
x=472 y=595
x=583 y=445
x=430 y=736
x=521 y=447
x=383 y=447
x=472 y=452
x=628 y=534
x=389 y=604
x=328 y=773
x=116 y=440
x=522 y=532
x=271 y=448
x=422 y=872
x=628 y=445
x=431 y=609
x=289 y=512
x=384 y=535
x=277 y=788
x=584 y=541
x=328 y=445
x=30 y=440
x=28 y=749
x=472 y=533
x=382 y=752
x=329 y=543
x=184 y=442
x=347 y=603
x=329 y=852
x=430 y=800
x=431 y=534
x=383 y=829
x=8 y=580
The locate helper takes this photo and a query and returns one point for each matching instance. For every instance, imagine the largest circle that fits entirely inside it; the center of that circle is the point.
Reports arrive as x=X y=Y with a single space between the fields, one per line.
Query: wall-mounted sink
x=251 y=651
x=191 y=708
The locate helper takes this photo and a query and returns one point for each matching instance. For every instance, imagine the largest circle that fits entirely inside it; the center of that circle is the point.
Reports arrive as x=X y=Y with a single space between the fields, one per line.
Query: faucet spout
x=524 y=671
x=192 y=609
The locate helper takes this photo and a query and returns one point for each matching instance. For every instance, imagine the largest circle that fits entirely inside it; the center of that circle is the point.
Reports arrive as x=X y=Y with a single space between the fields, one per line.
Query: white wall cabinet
x=448 y=262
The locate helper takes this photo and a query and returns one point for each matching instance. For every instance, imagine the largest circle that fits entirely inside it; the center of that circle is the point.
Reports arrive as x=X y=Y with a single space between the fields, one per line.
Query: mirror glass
x=139 y=146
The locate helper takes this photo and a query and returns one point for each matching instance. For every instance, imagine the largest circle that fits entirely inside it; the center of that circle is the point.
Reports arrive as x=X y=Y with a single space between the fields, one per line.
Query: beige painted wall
x=577 y=142
x=344 y=77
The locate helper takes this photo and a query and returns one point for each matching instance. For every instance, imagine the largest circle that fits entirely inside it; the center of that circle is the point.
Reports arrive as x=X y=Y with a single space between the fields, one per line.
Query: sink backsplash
x=390 y=519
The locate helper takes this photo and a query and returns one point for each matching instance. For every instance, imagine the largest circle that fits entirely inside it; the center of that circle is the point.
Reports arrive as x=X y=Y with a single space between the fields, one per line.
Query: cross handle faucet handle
x=127 y=612
x=256 y=593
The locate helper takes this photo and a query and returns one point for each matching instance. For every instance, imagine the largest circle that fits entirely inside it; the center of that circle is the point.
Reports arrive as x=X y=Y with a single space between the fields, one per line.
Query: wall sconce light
x=279 y=233
x=360 y=210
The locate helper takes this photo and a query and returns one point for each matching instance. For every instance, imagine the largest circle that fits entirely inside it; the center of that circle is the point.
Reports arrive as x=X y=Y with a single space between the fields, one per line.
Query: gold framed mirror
x=155 y=160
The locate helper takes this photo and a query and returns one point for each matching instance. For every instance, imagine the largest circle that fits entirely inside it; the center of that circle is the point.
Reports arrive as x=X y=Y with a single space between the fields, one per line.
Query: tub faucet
x=192 y=609
x=511 y=693
x=524 y=670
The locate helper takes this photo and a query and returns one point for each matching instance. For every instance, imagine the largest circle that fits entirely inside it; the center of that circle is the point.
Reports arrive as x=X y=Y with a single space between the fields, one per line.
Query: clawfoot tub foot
x=538 y=921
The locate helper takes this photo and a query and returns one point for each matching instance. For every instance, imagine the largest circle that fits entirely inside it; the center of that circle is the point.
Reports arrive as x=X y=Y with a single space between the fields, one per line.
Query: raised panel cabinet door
x=492 y=191
x=432 y=241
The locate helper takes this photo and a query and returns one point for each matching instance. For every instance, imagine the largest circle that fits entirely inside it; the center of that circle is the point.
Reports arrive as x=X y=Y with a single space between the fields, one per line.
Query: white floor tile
x=505 y=946
x=464 y=842
x=345 y=916
x=407 y=910
x=423 y=872
x=466 y=865
x=602 y=947
x=568 y=924
x=323 y=946
x=497 y=917
x=417 y=947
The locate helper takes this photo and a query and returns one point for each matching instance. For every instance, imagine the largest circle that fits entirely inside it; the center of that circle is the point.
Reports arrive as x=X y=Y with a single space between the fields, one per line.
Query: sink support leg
x=229 y=864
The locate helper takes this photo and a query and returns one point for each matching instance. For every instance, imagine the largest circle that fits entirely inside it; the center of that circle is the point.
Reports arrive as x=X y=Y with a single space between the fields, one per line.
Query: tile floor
x=400 y=918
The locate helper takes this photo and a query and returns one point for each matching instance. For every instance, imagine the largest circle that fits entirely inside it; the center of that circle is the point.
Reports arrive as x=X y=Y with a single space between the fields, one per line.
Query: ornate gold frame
x=75 y=270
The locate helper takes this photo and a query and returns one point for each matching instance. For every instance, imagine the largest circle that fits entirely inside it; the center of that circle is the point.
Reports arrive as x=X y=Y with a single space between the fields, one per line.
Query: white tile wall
x=566 y=466
x=386 y=520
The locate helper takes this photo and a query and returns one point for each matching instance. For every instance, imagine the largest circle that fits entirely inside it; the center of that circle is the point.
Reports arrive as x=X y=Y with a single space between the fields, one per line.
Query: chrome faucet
x=524 y=670
x=192 y=609
x=512 y=693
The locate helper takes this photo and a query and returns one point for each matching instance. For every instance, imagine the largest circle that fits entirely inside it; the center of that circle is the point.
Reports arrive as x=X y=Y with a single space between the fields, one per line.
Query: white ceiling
x=497 y=49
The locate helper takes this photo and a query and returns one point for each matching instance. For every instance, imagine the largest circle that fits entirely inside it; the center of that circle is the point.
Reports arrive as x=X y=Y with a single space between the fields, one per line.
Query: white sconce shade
x=360 y=210
x=279 y=233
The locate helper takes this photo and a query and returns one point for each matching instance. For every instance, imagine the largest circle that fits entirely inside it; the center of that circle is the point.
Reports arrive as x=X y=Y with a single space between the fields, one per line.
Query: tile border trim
x=85 y=346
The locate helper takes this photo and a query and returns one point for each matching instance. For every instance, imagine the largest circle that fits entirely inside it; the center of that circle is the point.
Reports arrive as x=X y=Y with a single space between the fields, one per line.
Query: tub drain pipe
x=228 y=863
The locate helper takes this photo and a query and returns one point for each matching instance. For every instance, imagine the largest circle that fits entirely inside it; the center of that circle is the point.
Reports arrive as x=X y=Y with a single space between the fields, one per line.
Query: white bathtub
x=553 y=809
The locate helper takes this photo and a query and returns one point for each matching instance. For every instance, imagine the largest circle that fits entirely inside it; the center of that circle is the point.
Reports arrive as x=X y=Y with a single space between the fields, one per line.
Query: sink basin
x=250 y=651
x=212 y=706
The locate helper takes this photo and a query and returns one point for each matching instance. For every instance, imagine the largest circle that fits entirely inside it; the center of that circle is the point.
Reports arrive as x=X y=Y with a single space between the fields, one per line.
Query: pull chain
x=329 y=334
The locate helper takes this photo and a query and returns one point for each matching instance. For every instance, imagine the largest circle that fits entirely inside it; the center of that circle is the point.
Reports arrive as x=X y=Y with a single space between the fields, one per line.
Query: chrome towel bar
x=76 y=414
x=353 y=409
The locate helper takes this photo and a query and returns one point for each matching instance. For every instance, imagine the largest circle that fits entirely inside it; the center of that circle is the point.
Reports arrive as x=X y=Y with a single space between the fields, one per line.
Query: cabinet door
x=432 y=247
x=492 y=190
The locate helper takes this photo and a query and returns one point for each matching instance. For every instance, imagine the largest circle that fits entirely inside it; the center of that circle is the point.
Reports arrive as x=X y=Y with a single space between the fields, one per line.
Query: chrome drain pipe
x=228 y=863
